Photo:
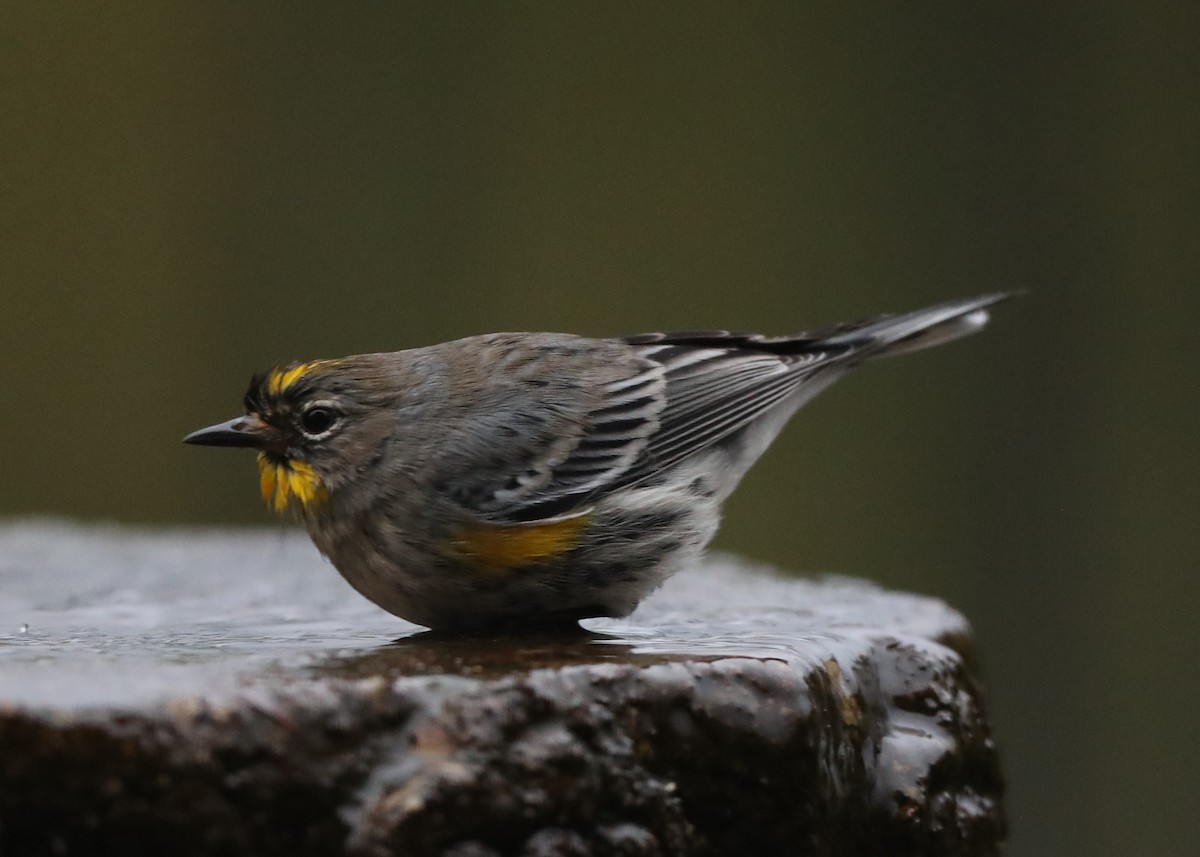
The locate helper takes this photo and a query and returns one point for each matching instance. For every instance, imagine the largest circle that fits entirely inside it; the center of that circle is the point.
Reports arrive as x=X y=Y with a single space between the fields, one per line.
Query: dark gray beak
x=239 y=431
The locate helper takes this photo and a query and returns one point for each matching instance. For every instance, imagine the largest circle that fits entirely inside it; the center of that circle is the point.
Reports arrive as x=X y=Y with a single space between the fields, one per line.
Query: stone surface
x=198 y=692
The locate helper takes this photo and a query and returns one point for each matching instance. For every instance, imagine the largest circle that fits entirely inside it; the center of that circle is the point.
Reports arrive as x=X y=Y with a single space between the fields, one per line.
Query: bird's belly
x=621 y=553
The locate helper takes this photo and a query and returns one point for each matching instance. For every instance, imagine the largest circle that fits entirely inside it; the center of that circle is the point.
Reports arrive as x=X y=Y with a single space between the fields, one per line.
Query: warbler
x=533 y=478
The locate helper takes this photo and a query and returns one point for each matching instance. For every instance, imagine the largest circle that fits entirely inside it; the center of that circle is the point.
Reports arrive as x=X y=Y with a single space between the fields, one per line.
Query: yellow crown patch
x=280 y=379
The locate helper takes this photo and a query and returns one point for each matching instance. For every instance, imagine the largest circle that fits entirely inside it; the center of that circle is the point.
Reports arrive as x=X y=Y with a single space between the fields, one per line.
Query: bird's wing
x=718 y=383
x=619 y=411
x=680 y=394
x=582 y=449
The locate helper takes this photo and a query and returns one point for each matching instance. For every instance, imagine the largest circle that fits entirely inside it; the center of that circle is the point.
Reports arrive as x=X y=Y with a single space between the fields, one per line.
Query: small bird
x=526 y=479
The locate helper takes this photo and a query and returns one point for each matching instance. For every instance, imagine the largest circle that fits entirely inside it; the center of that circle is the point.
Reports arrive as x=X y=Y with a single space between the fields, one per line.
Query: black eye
x=318 y=419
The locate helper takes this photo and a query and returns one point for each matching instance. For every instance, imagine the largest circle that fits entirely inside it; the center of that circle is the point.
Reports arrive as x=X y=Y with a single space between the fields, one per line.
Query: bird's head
x=311 y=423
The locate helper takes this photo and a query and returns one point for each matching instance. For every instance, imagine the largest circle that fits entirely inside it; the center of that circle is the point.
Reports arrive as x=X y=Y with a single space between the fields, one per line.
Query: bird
x=526 y=480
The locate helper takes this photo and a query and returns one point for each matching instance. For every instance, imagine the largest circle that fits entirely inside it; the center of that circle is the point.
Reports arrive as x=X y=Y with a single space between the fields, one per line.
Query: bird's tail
x=901 y=334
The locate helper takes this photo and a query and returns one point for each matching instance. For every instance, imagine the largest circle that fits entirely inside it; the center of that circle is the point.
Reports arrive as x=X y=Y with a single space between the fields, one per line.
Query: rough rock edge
x=885 y=751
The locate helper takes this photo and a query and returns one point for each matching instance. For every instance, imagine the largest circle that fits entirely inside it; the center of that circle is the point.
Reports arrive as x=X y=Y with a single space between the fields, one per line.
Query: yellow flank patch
x=499 y=547
x=280 y=379
x=280 y=481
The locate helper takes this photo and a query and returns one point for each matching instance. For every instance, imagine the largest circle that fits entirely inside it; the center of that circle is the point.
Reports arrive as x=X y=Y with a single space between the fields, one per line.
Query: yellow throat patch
x=280 y=481
x=503 y=547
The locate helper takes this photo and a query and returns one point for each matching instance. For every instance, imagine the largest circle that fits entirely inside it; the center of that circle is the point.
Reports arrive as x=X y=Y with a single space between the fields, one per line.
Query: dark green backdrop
x=192 y=191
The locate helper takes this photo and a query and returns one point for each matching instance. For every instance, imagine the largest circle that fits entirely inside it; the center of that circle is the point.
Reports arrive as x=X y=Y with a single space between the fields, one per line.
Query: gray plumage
x=639 y=439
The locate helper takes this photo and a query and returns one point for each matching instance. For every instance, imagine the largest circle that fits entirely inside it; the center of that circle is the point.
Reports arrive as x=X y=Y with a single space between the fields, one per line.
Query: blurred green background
x=193 y=191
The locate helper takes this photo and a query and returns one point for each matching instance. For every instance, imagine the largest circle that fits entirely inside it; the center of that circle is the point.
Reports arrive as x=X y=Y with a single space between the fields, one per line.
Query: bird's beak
x=239 y=431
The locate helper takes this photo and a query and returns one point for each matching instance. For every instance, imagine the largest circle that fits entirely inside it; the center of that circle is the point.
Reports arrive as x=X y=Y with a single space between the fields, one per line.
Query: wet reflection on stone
x=252 y=703
x=483 y=657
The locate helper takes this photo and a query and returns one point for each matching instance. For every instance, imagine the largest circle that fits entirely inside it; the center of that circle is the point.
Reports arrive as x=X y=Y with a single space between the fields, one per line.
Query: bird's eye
x=318 y=419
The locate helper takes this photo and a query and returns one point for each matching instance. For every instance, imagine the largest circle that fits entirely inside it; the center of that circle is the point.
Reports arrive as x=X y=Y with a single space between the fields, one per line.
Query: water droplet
x=24 y=628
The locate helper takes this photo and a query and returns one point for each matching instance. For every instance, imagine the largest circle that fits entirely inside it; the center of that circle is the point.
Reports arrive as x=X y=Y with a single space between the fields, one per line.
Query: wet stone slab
x=203 y=692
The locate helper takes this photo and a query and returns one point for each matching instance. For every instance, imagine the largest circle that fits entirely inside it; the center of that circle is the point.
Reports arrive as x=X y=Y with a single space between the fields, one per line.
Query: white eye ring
x=318 y=420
